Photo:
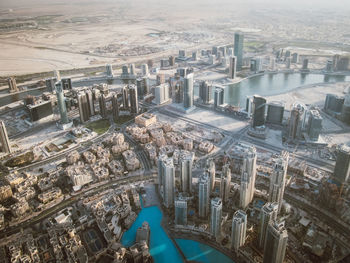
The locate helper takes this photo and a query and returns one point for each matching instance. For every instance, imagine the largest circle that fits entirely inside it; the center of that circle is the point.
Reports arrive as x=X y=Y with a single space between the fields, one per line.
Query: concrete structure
x=256 y=65
x=295 y=58
x=83 y=107
x=4 y=139
x=215 y=217
x=188 y=91
x=145 y=119
x=161 y=94
x=134 y=102
x=219 y=96
x=144 y=70
x=345 y=114
x=305 y=64
x=166 y=173
x=125 y=91
x=109 y=71
x=12 y=85
x=239 y=229
x=342 y=166
x=314 y=125
x=296 y=121
x=61 y=103
x=278 y=179
x=203 y=196
x=210 y=171
x=334 y=103
x=225 y=183
x=186 y=163
x=238 y=50
x=103 y=108
x=205 y=92
x=233 y=67
x=259 y=105
x=181 y=211
x=248 y=174
x=275 y=111
x=66 y=83
x=268 y=214
x=39 y=110
x=115 y=107
x=276 y=243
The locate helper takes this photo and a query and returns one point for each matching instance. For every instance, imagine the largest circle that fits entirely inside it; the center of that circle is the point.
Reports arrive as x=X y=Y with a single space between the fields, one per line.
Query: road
x=71 y=200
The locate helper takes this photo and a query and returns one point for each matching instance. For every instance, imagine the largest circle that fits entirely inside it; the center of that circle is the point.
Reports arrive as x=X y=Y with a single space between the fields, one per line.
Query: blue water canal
x=162 y=248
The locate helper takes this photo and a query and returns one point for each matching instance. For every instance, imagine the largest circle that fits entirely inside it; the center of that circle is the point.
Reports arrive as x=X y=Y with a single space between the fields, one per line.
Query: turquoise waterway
x=162 y=248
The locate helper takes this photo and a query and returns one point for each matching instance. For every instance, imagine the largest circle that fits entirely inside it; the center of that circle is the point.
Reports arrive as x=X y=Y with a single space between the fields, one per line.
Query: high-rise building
x=167 y=174
x=268 y=214
x=276 y=243
x=66 y=83
x=238 y=50
x=182 y=53
x=210 y=170
x=278 y=179
x=219 y=96
x=223 y=50
x=125 y=97
x=259 y=105
x=83 y=107
x=345 y=112
x=205 y=92
x=188 y=91
x=334 y=103
x=161 y=93
x=256 y=65
x=194 y=55
x=171 y=61
x=160 y=79
x=57 y=75
x=239 y=229
x=296 y=121
x=134 y=102
x=115 y=107
x=50 y=84
x=288 y=63
x=180 y=211
x=272 y=63
x=4 y=139
x=109 y=71
x=342 y=166
x=225 y=183
x=144 y=70
x=232 y=69
x=61 y=103
x=203 y=195
x=214 y=50
x=305 y=64
x=295 y=58
x=103 y=108
x=248 y=174
x=91 y=102
x=249 y=106
x=186 y=163
x=132 y=69
x=12 y=85
x=275 y=112
x=215 y=217
x=314 y=125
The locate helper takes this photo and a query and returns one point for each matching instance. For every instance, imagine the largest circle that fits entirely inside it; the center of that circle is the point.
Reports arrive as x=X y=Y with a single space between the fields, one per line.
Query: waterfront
x=273 y=84
x=162 y=247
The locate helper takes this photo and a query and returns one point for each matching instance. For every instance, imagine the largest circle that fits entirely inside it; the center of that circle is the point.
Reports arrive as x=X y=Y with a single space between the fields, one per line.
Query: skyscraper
x=134 y=102
x=125 y=97
x=278 y=179
x=276 y=243
x=225 y=184
x=248 y=174
x=161 y=93
x=205 y=92
x=268 y=214
x=233 y=66
x=66 y=83
x=305 y=64
x=238 y=50
x=203 y=196
x=167 y=174
x=4 y=139
x=342 y=166
x=132 y=70
x=103 y=108
x=12 y=85
x=144 y=70
x=296 y=121
x=57 y=75
x=219 y=96
x=115 y=107
x=215 y=217
x=188 y=91
x=90 y=100
x=83 y=107
x=109 y=71
x=259 y=104
x=239 y=229
x=210 y=170
x=186 y=163
x=181 y=211
x=314 y=125
x=61 y=103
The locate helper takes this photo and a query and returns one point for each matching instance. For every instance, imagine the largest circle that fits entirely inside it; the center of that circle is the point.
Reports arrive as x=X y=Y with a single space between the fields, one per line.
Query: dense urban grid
x=266 y=180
